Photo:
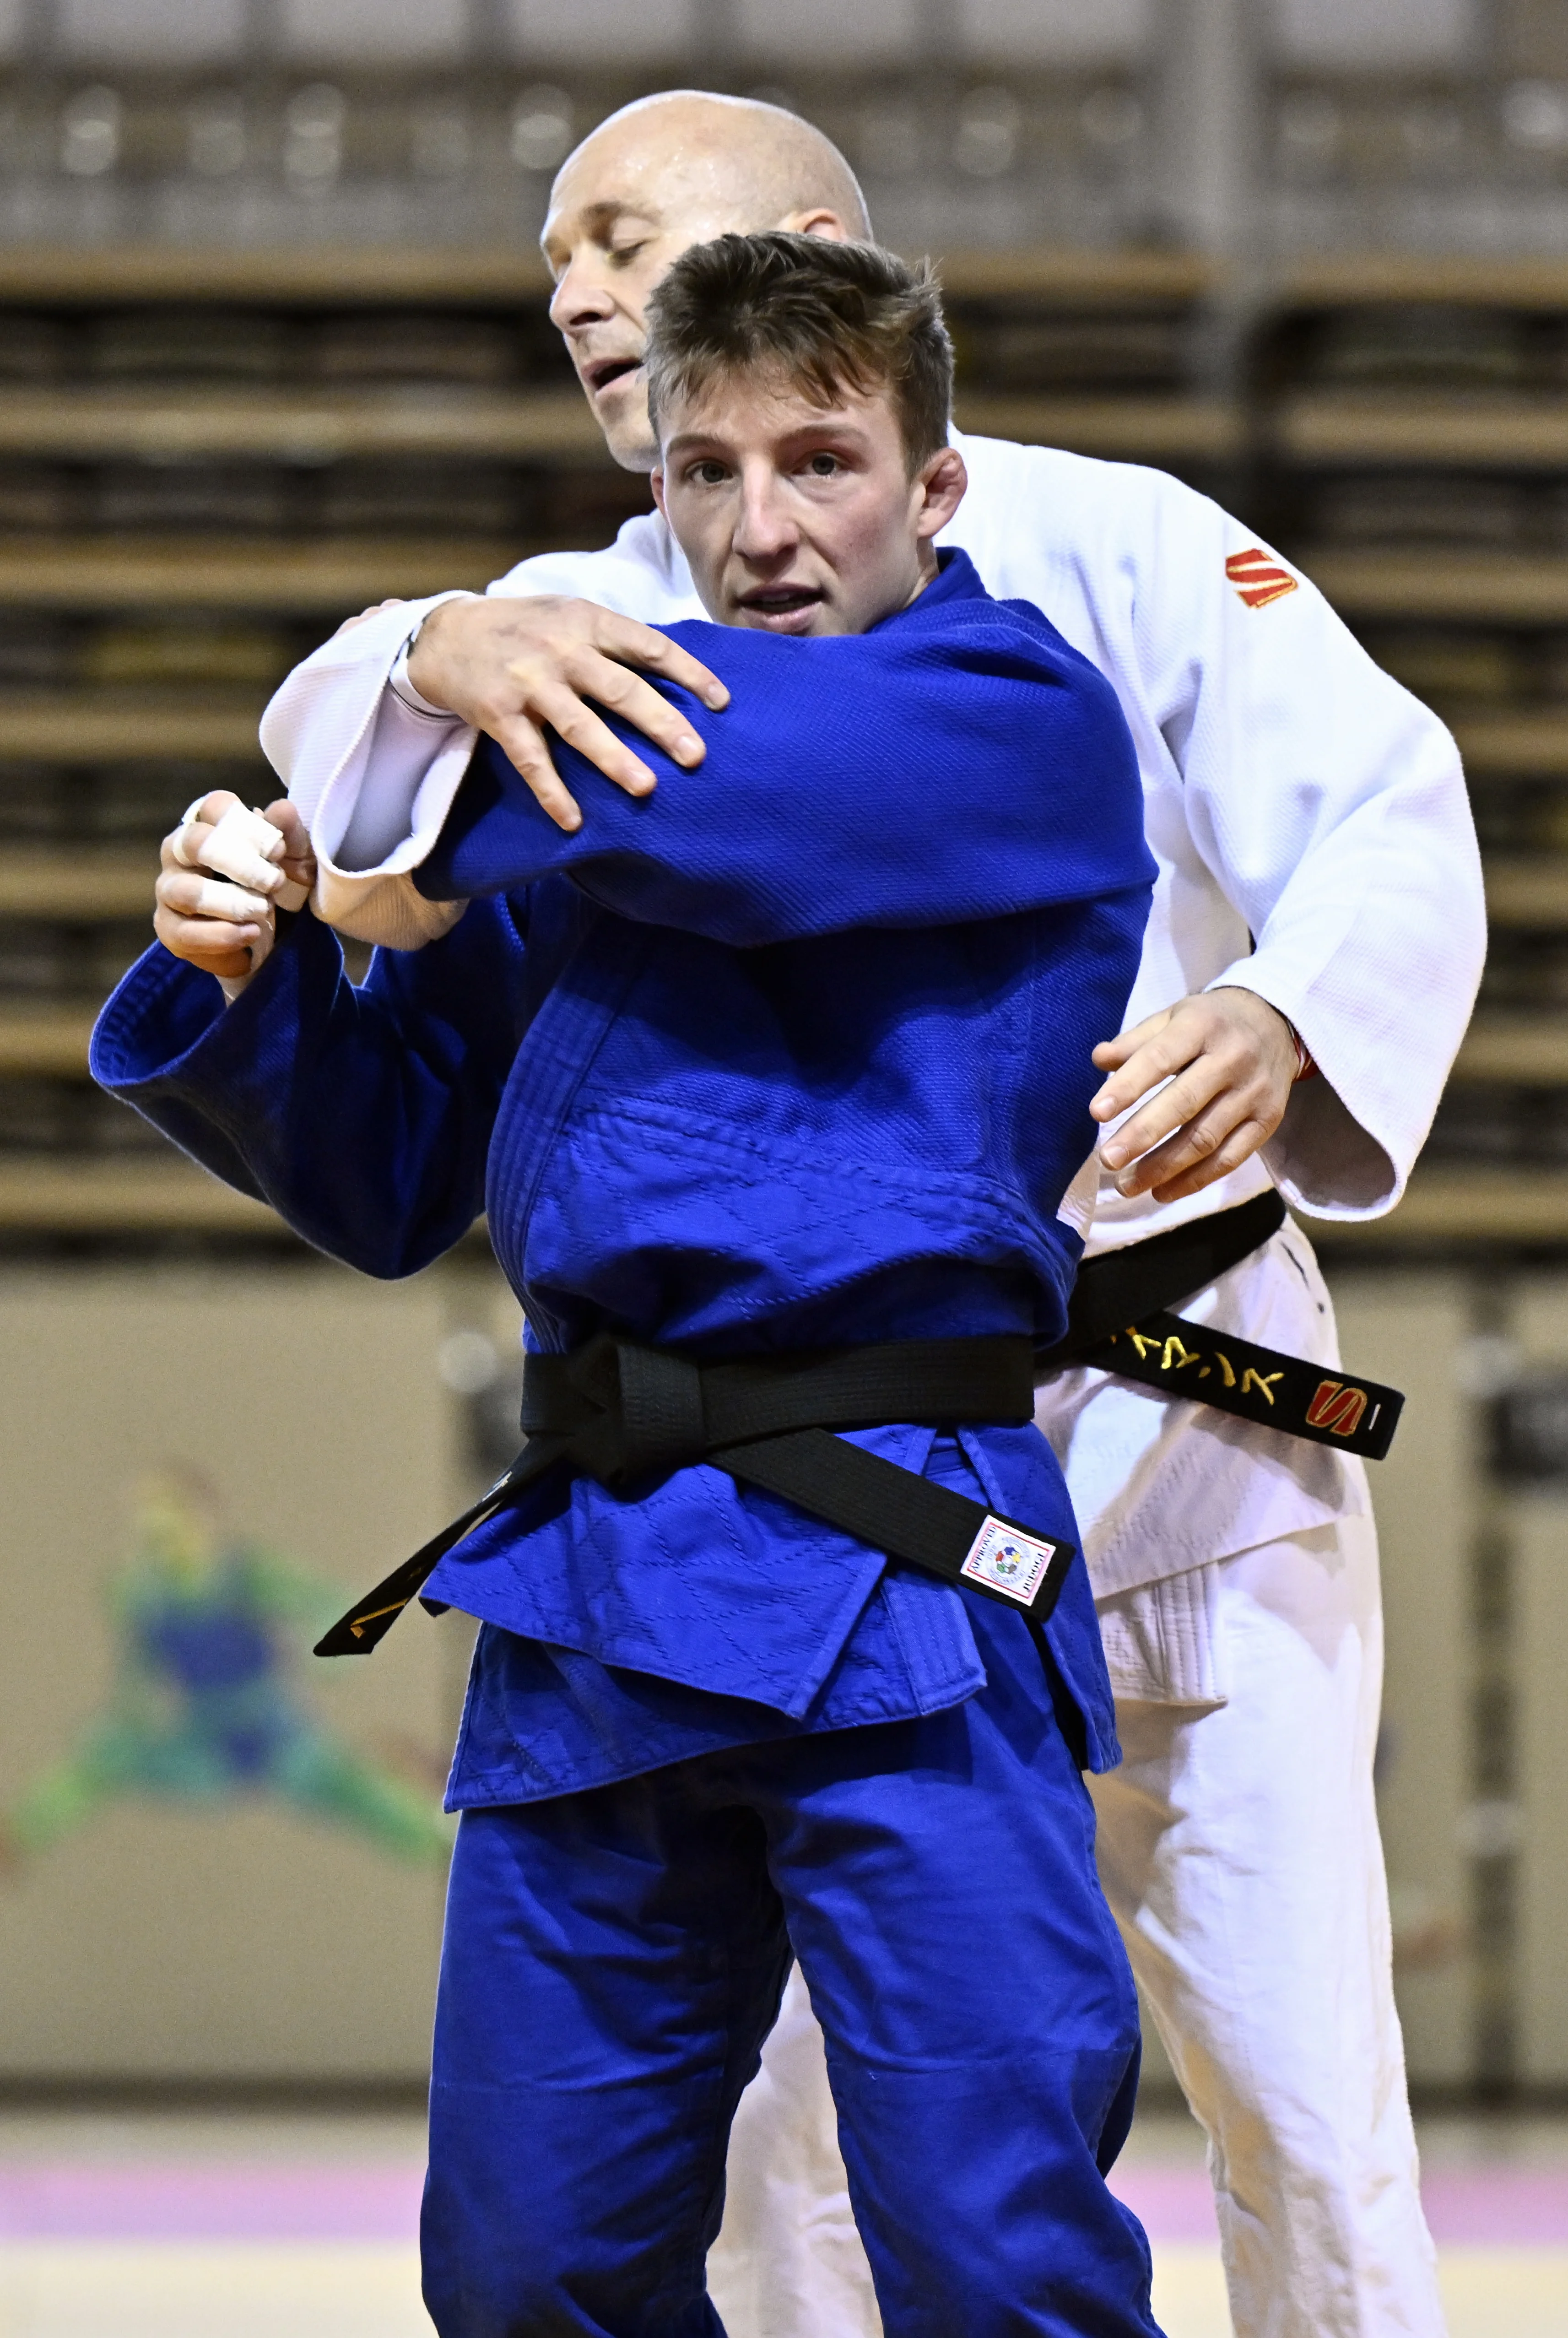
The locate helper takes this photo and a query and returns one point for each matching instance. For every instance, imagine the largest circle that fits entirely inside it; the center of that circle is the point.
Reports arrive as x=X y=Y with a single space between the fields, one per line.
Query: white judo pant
x=1239 y=1848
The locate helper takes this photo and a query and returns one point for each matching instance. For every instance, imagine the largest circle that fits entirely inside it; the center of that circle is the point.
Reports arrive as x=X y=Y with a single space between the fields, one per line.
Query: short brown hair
x=831 y=316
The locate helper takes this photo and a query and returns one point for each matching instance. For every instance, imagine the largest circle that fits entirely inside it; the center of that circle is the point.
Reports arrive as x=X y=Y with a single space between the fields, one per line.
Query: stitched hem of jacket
x=492 y=1787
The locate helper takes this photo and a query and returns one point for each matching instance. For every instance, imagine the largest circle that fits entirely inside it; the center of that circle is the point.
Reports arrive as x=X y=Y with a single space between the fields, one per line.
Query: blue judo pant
x=613 y=1961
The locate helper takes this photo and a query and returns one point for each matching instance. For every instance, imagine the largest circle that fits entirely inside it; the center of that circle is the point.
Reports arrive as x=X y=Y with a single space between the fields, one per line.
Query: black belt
x=618 y=1411
x=1119 y=1321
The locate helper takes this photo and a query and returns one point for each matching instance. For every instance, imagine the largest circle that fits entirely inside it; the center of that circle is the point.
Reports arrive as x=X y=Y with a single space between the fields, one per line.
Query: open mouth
x=780 y=600
x=604 y=370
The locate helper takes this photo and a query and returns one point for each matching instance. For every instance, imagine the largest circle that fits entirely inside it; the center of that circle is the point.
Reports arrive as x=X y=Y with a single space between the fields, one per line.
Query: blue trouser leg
x=613 y=1960
x=980 y=2016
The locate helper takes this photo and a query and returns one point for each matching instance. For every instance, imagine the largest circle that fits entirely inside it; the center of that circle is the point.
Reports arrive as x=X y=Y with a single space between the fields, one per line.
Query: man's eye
x=823 y=467
x=622 y=253
x=709 y=475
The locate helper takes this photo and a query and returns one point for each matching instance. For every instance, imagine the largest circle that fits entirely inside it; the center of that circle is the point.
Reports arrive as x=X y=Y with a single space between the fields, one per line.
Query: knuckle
x=515 y=731
x=585 y=733
x=494 y=707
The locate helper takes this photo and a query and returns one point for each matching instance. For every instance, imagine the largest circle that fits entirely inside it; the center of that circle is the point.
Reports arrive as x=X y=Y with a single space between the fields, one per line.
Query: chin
x=627 y=431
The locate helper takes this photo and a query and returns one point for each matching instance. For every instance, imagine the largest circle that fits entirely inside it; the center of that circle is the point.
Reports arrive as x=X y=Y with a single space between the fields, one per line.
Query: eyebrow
x=833 y=421
x=686 y=440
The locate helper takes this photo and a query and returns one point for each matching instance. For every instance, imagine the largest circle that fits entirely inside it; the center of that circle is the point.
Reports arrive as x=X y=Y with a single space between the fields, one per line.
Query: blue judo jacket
x=793 y=1053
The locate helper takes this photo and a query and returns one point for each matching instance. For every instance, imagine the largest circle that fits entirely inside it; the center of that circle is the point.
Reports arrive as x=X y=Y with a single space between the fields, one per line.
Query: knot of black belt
x=620 y=1412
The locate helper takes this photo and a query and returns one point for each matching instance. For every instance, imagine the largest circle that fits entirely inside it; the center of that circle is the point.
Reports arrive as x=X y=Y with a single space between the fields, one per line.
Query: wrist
x=418 y=669
x=1306 y=1067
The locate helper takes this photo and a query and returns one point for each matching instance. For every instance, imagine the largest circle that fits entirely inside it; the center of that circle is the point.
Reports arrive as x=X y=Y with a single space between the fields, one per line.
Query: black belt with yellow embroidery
x=1119 y=1321
x=623 y=1413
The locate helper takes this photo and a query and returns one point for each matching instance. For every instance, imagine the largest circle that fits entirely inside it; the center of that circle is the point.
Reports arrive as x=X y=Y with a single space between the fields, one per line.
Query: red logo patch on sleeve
x=1258 y=577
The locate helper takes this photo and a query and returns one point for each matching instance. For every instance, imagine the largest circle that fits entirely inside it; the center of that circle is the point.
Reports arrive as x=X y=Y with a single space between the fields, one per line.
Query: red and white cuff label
x=1006 y=1559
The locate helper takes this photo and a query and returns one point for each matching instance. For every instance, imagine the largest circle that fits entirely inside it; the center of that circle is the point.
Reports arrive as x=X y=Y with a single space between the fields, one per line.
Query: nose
x=582 y=298
x=765 y=531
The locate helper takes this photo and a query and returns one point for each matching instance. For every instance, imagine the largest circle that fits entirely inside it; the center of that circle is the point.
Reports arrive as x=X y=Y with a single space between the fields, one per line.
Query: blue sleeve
x=363 y=1115
x=907 y=778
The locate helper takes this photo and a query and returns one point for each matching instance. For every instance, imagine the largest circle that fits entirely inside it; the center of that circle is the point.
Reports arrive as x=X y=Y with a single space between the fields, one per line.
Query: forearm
x=373 y=770
x=1327 y=807
x=825 y=799
x=345 y=744
x=1374 y=951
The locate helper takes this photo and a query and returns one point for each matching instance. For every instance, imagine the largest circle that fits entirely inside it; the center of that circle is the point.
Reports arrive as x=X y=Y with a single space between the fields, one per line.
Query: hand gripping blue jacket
x=794 y=1054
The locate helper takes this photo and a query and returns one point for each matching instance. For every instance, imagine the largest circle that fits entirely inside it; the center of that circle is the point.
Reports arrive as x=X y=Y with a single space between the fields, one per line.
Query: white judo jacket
x=1314 y=842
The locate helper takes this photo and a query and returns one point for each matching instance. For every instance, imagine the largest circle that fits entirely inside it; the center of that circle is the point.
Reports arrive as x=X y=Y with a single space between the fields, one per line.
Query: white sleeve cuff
x=1322 y=1158
x=401 y=686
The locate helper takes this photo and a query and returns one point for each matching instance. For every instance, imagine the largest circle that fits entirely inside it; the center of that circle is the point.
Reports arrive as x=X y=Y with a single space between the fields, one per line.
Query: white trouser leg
x=1239 y=1847
x=1239 y=1850
x=788 y=2262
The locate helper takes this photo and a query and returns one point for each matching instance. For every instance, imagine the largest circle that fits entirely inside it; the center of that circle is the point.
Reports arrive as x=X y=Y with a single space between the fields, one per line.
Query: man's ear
x=656 y=481
x=821 y=221
x=943 y=481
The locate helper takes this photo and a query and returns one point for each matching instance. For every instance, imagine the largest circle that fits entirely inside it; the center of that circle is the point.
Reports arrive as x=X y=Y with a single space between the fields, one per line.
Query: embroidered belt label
x=1007 y=1559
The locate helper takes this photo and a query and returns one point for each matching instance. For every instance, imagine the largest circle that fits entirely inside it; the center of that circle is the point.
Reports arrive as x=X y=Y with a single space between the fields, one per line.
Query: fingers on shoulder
x=582 y=729
x=523 y=744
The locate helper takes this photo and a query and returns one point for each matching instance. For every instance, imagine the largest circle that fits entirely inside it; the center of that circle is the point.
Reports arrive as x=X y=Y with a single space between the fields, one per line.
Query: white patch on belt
x=1006 y=1559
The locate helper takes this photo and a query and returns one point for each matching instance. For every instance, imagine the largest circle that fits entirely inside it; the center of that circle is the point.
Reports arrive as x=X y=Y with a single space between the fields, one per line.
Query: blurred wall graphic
x=232 y=1911
x=274 y=344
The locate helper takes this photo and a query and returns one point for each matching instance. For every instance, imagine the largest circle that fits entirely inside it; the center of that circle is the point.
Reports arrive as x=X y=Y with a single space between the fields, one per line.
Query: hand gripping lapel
x=618 y=1411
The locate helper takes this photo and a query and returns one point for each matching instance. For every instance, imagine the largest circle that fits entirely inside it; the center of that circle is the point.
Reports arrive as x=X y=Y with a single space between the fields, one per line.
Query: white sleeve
x=336 y=720
x=1330 y=807
x=372 y=767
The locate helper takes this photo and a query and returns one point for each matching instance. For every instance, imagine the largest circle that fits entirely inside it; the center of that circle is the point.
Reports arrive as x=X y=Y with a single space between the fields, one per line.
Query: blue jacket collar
x=957 y=579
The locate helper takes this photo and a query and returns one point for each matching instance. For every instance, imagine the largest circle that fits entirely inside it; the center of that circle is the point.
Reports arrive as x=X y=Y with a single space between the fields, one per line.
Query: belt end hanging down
x=370 y=1620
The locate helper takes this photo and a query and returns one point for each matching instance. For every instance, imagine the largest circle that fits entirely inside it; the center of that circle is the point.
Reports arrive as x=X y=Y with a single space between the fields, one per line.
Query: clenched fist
x=225 y=924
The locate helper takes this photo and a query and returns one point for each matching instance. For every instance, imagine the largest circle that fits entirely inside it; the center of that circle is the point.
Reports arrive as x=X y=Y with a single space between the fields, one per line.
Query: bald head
x=664 y=174
x=758 y=163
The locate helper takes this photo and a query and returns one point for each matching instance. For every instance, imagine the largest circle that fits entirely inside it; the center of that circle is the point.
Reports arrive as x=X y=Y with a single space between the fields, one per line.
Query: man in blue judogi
x=775 y=1087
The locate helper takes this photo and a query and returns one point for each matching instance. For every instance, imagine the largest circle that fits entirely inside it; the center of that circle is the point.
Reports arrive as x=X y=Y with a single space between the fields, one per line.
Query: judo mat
x=271 y=2227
